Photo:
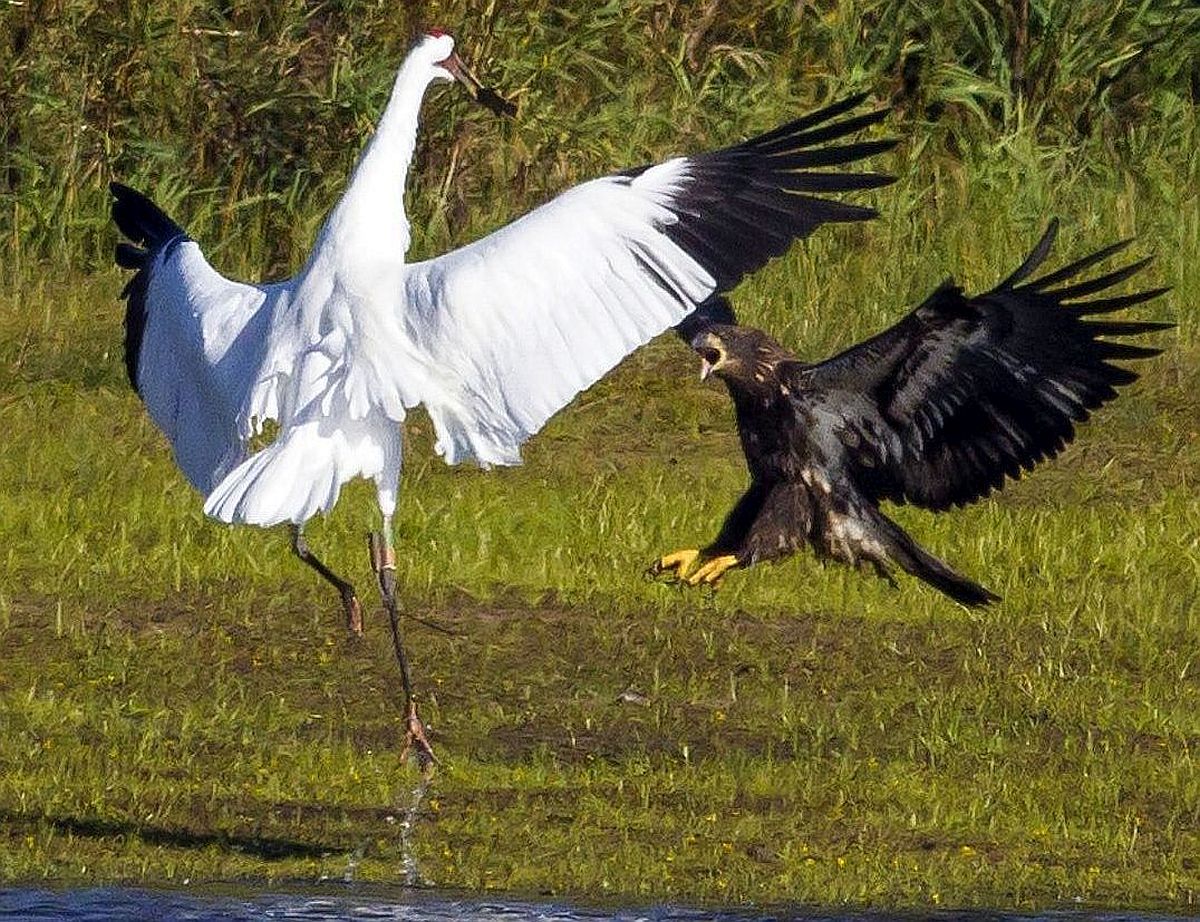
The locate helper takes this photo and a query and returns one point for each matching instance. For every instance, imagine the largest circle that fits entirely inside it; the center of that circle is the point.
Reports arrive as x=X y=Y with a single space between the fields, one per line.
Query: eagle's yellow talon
x=713 y=570
x=677 y=563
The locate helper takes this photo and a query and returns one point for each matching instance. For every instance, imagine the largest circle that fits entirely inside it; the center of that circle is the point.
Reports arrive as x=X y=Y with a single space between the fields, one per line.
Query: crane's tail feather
x=920 y=563
x=148 y=226
x=298 y=475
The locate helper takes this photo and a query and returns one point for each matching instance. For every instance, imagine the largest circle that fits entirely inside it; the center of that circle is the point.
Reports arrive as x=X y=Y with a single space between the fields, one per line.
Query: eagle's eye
x=710 y=355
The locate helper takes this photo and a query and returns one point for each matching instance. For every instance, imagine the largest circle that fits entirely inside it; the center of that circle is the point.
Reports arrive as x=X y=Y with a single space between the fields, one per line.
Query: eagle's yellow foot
x=676 y=564
x=713 y=570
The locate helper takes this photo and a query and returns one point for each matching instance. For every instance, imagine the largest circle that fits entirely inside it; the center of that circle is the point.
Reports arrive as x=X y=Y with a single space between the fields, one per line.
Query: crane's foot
x=674 y=566
x=416 y=740
x=712 y=572
x=353 y=609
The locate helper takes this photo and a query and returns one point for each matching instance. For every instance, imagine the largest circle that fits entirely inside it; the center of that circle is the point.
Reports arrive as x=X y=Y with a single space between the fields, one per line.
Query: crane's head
x=447 y=65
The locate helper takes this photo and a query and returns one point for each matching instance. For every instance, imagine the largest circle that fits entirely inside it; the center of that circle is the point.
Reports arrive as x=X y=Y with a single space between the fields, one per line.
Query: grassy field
x=178 y=700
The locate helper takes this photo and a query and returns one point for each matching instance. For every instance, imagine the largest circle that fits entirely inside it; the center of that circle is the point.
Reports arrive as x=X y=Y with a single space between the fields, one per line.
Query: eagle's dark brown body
x=937 y=411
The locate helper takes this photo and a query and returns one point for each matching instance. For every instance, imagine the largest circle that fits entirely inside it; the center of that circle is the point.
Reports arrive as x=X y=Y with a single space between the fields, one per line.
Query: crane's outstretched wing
x=193 y=339
x=526 y=318
x=964 y=391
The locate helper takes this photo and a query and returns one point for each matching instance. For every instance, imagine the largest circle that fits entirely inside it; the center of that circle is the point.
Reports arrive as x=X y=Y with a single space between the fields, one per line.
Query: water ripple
x=122 y=904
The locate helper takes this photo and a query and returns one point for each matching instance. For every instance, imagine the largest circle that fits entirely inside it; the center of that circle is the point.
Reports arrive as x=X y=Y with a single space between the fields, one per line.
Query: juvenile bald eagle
x=935 y=411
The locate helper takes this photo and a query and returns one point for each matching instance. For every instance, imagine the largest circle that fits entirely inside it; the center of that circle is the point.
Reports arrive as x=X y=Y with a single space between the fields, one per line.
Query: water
x=412 y=872
x=122 y=904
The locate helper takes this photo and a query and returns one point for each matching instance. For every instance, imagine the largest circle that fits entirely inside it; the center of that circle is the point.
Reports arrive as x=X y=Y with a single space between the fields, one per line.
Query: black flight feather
x=147 y=225
x=743 y=205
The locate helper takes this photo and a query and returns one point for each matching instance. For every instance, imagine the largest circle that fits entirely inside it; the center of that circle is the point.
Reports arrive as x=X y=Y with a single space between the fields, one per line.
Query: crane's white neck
x=390 y=150
x=373 y=203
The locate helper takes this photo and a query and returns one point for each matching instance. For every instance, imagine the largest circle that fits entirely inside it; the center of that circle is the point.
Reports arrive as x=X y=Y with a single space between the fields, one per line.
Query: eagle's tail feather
x=920 y=563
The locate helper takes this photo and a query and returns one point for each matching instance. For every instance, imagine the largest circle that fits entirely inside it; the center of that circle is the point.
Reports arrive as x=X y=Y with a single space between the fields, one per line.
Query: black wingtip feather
x=1073 y=269
x=1126 y=351
x=145 y=224
x=798 y=125
x=1116 y=303
x=833 y=182
x=740 y=206
x=140 y=219
x=1090 y=287
x=1035 y=258
x=1126 y=327
x=130 y=257
x=835 y=155
x=843 y=128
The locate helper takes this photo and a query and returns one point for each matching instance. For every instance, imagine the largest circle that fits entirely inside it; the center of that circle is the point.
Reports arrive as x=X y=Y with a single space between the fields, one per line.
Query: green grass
x=178 y=700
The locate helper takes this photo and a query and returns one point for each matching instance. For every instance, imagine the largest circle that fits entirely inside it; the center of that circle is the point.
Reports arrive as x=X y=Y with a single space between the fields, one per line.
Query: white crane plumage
x=492 y=338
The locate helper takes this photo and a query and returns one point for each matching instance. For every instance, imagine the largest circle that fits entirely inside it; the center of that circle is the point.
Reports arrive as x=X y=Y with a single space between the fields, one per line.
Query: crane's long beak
x=484 y=95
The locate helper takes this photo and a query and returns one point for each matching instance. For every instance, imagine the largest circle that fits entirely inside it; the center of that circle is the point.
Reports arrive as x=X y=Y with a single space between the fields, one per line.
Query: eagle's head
x=746 y=359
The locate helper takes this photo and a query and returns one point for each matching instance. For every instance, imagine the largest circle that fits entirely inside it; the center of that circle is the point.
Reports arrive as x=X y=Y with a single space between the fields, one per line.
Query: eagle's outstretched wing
x=193 y=339
x=964 y=391
x=524 y=319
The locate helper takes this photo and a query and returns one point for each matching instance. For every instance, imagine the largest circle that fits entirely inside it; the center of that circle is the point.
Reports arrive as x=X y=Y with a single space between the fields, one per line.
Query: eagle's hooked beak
x=484 y=95
x=710 y=361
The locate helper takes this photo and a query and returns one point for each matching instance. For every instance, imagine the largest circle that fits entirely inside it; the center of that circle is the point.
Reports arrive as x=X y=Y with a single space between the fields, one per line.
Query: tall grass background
x=244 y=118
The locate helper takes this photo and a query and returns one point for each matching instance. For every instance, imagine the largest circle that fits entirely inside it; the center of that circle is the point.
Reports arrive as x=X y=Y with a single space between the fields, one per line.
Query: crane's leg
x=383 y=560
x=354 y=621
